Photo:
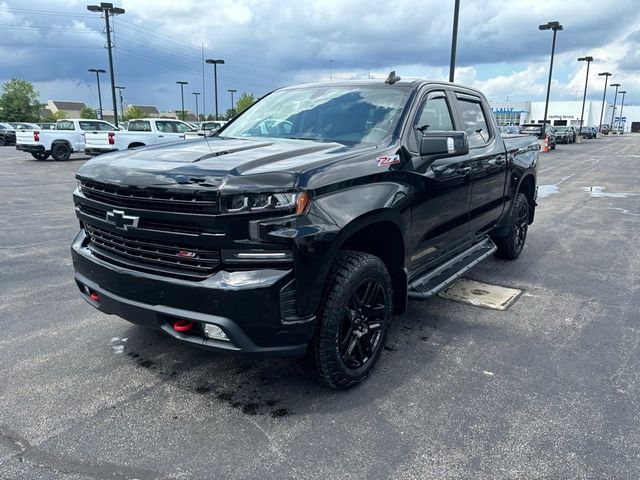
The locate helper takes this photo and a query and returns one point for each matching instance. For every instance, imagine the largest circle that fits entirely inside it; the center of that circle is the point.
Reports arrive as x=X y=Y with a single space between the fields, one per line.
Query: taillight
x=112 y=140
x=36 y=136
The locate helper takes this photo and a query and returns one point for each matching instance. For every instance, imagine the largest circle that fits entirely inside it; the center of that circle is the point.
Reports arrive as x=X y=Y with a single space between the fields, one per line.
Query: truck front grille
x=148 y=255
x=150 y=199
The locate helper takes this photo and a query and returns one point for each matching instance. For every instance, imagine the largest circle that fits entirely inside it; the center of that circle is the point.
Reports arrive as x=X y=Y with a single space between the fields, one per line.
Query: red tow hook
x=183 y=326
x=95 y=297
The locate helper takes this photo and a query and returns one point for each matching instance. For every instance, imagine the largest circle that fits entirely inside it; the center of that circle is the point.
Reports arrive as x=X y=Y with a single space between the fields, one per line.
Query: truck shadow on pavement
x=277 y=387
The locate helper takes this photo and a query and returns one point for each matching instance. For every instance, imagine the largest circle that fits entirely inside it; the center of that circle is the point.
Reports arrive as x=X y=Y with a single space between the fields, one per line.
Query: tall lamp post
x=98 y=71
x=555 y=26
x=195 y=94
x=109 y=11
x=613 y=112
x=232 y=91
x=454 y=40
x=215 y=63
x=621 y=127
x=606 y=76
x=120 y=89
x=182 y=84
x=586 y=81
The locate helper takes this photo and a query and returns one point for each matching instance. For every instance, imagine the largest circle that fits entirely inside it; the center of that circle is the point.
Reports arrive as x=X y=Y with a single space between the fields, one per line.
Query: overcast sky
x=267 y=44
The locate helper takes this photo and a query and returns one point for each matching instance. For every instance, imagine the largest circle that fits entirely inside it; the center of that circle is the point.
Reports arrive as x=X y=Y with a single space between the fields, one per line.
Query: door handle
x=497 y=161
x=463 y=170
x=160 y=136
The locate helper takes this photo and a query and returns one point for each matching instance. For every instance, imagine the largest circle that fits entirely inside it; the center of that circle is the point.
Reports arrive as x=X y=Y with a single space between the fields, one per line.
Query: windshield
x=343 y=114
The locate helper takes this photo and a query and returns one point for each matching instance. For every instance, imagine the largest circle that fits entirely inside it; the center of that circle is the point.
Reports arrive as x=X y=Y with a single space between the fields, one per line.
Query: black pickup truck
x=300 y=227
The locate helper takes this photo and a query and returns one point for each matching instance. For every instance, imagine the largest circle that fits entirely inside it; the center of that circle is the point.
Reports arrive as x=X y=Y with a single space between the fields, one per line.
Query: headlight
x=264 y=202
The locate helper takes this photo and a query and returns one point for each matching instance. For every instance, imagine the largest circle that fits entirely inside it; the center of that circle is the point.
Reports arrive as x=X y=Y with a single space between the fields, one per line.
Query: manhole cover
x=481 y=294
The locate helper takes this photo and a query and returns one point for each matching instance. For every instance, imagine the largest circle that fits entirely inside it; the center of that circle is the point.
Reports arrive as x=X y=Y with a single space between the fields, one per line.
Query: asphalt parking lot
x=548 y=388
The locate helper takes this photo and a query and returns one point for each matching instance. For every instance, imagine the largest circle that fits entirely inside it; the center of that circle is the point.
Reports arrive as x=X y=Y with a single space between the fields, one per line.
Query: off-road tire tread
x=507 y=245
x=320 y=363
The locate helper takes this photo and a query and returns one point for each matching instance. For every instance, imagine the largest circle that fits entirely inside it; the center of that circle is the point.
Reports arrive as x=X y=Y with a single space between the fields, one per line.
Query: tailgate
x=97 y=140
x=25 y=137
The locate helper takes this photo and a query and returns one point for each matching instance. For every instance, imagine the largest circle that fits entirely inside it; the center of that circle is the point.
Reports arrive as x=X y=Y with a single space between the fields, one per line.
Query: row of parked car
x=553 y=135
x=98 y=136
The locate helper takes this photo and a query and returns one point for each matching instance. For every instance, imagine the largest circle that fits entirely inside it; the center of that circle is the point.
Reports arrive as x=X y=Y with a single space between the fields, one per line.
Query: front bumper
x=245 y=304
x=30 y=148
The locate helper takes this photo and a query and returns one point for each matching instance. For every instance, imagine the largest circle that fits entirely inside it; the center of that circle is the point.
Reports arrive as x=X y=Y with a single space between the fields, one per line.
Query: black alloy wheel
x=61 y=152
x=361 y=329
x=352 y=322
x=511 y=242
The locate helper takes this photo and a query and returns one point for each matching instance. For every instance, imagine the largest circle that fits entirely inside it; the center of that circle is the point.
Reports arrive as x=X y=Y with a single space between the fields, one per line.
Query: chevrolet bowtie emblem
x=122 y=221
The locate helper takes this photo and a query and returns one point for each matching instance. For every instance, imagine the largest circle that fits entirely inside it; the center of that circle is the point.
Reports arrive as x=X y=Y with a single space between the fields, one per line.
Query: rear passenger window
x=434 y=116
x=139 y=126
x=474 y=122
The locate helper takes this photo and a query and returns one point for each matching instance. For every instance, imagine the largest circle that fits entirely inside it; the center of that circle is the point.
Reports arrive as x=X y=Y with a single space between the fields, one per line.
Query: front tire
x=353 y=320
x=40 y=155
x=3 y=141
x=510 y=246
x=61 y=152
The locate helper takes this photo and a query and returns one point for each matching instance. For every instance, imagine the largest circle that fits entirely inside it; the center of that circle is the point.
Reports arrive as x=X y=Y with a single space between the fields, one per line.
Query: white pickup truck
x=68 y=137
x=140 y=132
x=207 y=128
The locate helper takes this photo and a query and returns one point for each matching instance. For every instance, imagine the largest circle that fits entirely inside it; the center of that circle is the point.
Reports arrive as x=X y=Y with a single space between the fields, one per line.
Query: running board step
x=447 y=273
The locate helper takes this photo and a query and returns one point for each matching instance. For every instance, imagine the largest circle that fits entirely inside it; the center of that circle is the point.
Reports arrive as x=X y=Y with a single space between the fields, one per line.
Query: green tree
x=230 y=114
x=88 y=112
x=210 y=117
x=54 y=117
x=133 y=112
x=244 y=102
x=19 y=102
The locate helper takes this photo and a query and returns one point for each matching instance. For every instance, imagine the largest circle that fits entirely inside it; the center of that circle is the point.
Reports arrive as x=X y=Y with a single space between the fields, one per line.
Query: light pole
x=232 y=91
x=182 y=84
x=615 y=98
x=621 y=127
x=454 y=40
x=195 y=94
x=586 y=81
x=98 y=71
x=555 y=26
x=604 y=96
x=109 y=11
x=121 y=100
x=215 y=63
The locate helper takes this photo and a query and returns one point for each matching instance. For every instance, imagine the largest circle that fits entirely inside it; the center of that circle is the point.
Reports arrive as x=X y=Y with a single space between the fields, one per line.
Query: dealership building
x=567 y=113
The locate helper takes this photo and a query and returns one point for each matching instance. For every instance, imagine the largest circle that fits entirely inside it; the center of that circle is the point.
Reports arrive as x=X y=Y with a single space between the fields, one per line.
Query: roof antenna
x=392 y=78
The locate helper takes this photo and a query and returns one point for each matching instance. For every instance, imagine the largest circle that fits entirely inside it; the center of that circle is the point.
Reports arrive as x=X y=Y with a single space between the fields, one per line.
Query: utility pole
x=182 y=84
x=232 y=91
x=615 y=99
x=584 y=98
x=121 y=100
x=215 y=63
x=620 y=126
x=109 y=11
x=555 y=26
x=195 y=94
x=604 y=96
x=454 y=40
x=98 y=71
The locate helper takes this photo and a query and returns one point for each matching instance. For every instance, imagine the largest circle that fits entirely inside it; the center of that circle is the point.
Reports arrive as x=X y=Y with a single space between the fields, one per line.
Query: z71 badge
x=386 y=161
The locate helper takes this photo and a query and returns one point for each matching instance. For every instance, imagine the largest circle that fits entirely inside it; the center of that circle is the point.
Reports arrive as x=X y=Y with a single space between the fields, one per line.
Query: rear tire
x=353 y=320
x=510 y=246
x=40 y=155
x=3 y=141
x=61 y=152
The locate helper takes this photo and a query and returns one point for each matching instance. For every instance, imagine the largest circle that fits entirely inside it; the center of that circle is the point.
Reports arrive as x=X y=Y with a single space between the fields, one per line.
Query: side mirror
x=444 y=144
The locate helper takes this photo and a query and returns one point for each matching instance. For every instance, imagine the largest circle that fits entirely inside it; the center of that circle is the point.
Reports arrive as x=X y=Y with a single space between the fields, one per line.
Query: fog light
x=215 y=332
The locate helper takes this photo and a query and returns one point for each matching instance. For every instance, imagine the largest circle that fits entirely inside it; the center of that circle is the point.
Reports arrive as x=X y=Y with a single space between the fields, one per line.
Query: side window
x=474 y=122
x=182 y=127
x=139 y=126
x=164 y=127
x=65 y=125
x=103 y=126
x=434 y=115
x=87 y=126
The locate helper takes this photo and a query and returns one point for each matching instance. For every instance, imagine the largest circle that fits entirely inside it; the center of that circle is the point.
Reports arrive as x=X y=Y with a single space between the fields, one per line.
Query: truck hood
x=216 y=162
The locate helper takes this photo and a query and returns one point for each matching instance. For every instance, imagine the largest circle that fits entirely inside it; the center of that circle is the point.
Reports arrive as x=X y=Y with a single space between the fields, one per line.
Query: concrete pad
x=481 y=294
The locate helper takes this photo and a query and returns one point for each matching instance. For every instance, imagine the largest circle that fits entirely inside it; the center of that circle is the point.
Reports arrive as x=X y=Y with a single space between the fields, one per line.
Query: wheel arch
x=136 y=144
